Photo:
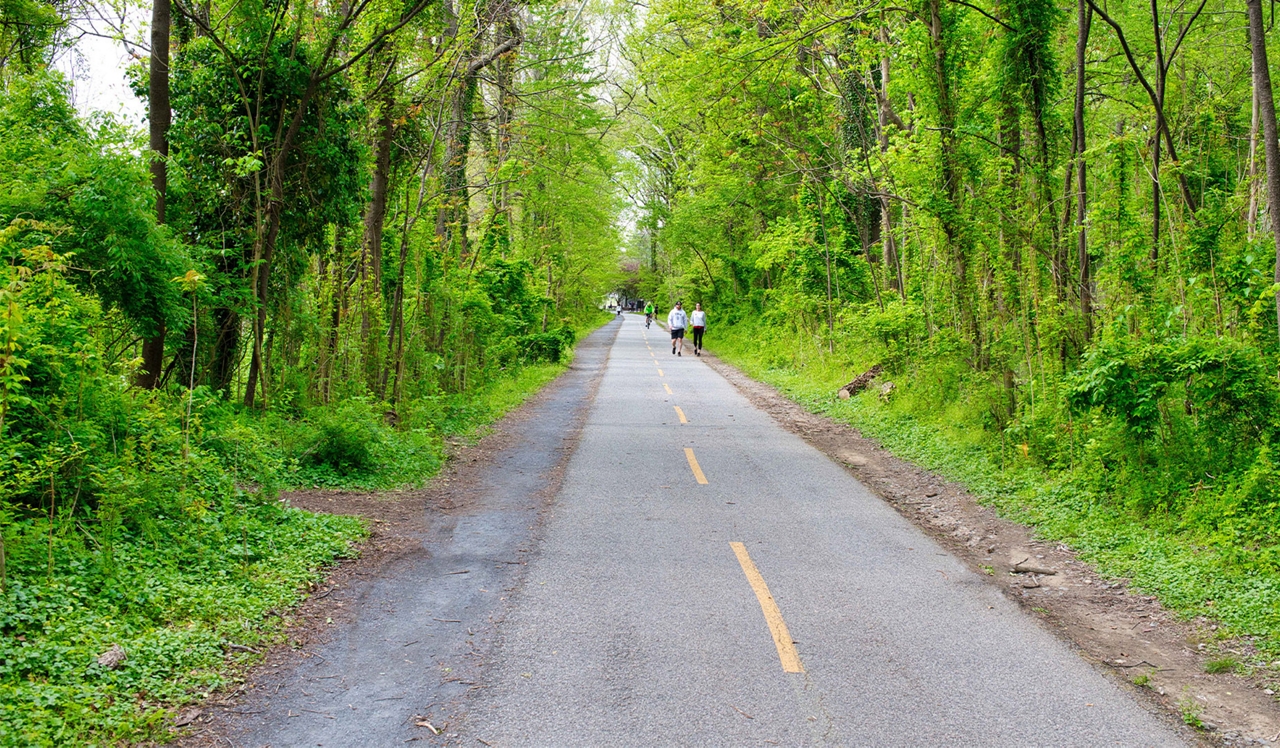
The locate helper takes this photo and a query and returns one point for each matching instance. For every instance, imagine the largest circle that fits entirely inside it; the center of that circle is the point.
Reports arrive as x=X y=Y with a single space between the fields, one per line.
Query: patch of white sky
x=609 y=25
x=104 y=41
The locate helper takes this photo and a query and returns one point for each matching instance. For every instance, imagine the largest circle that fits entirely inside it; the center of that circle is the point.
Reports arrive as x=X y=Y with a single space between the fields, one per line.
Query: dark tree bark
x=226 y=347
x=159 y=119
x=1084 y=20
x=376 y=212
x=452 y=219
x=1267 y=112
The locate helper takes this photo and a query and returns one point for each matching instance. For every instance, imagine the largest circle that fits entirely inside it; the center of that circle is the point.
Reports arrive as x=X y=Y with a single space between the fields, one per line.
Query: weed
x=1222 y=665
x=988 y=570
x=1142 y=681
x=1191 y=711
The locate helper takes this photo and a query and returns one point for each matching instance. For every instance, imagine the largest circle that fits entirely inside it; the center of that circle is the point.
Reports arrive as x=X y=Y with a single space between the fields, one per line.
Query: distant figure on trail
x=648 y=313
x=676 y=322
x=698 y=321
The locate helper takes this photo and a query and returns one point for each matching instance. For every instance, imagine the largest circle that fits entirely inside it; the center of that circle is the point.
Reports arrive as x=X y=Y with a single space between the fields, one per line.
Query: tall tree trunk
x=1267 y=110
x=891 y=258
x=375 y=213
x=1084 y=20
x=451 y=224
x=159 y=118
x=1251 y=218
x=225 y=349
x=957 y=242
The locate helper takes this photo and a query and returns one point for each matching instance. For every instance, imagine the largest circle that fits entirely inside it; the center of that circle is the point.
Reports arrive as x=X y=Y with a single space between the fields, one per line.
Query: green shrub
x=346 y=439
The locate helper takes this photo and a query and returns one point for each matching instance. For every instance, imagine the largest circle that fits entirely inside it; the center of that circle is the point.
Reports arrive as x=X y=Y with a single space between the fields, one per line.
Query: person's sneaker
x=679 y=353
x=673 y=348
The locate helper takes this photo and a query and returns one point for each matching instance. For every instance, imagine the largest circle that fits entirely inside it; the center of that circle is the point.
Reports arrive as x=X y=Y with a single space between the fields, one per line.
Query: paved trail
x=704 y=577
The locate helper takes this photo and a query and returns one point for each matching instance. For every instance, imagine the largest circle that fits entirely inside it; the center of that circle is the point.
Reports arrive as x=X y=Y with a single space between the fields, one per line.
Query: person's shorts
x=677 y=332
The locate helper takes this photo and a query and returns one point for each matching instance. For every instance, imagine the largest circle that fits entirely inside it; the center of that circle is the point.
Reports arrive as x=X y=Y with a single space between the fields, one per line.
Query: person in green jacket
x=648 y=313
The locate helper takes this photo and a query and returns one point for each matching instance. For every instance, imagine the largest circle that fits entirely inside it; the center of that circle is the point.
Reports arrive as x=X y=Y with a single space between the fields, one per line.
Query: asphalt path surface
x=638 y=622
x=700 y=577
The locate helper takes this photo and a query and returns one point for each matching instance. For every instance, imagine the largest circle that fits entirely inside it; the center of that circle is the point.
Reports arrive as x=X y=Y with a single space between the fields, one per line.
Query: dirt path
x=1129 y=634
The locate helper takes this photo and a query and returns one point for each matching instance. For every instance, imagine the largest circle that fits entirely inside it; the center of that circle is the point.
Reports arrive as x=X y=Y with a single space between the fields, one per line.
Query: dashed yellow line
x=680 y=413
x=787 y=653
x=668 y=389
x=660 y=373
x=693 y=465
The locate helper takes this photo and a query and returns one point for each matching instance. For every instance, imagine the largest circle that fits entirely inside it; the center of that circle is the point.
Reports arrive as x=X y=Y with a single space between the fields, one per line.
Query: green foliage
x=92 y=195
x=149 y=519
x=345 y=440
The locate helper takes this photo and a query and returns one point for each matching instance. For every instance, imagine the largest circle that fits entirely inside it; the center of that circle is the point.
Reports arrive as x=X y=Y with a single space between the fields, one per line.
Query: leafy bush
x=547 y=347
x=346 y=439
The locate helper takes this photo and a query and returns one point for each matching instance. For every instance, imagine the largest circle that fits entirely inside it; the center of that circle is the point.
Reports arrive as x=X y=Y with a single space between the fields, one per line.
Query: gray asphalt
x=414 y=647
x=636 y=625
x=633 y=622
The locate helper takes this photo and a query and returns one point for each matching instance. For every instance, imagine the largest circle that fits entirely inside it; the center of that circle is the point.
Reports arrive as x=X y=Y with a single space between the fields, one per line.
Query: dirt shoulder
x=1150 y=649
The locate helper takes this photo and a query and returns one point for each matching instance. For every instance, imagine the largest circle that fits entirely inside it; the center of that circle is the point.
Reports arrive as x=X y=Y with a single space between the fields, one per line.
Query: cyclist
x=648 y=313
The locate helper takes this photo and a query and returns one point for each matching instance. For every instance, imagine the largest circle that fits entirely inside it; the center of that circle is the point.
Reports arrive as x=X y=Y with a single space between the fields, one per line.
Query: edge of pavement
x=408 y=528
x=1151 y=651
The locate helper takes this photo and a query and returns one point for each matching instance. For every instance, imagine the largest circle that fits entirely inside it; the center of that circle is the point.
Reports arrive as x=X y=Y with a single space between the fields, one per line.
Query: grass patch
x=1222 y=665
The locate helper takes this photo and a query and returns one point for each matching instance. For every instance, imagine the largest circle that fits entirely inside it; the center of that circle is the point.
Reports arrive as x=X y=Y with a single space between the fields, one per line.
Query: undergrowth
x=168 y=540
x=1204 y=544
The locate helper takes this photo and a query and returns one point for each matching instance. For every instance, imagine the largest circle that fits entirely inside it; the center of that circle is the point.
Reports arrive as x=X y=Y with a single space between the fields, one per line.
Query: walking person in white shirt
x=698 y=321
x=676 y=322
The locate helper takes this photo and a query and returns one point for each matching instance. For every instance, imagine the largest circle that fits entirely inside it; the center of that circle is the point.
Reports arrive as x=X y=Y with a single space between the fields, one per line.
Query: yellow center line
x=680 y=413
x=667 y=388
x=693 y=464
x=781 y=637
x=660 y=373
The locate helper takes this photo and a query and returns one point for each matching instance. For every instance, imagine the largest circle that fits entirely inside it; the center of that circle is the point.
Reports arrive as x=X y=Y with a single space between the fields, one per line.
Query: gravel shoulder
x=1128 y=634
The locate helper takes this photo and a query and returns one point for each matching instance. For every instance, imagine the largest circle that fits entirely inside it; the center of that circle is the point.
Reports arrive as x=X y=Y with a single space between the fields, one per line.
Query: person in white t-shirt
x=676 y=322
x=698 y=322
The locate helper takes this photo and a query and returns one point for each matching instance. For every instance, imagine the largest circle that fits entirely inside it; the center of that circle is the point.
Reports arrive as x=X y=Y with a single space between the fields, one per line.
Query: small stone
x=1269 y=692
x=112 y=658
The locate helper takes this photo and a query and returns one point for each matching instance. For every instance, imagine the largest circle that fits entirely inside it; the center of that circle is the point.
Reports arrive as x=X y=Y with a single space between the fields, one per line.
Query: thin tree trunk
x=376 y=212
x=1251 y=218
x=957 y=243
x=159 y=118
x=1267 y=111
x=1084 y=19
x=891 y=258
